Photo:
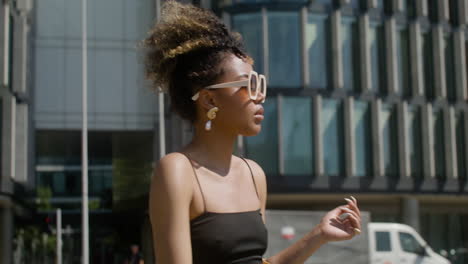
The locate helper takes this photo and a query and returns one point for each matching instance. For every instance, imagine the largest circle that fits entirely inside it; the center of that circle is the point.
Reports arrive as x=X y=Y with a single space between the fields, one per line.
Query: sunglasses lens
x=253 y=83
x=262 y=86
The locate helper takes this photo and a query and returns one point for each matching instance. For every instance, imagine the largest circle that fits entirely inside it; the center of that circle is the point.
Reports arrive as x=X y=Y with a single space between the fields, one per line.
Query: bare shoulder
x=256 y=169
x=259 y=175
x=169 y=208
x=173 y=161
x=172 y=174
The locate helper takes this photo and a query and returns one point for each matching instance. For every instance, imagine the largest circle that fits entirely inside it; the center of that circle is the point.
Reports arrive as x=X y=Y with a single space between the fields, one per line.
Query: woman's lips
x=260 y=111
x=259 y=114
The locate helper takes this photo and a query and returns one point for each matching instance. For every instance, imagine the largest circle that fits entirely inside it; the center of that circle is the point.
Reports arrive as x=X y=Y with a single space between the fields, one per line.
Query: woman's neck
x=212 y=149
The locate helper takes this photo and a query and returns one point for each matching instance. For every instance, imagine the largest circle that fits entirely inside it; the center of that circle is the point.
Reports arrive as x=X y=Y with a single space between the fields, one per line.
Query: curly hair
x=184 y=52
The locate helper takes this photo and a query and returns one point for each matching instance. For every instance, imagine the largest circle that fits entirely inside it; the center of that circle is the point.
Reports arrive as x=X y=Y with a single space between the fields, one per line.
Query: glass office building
x=366 y=98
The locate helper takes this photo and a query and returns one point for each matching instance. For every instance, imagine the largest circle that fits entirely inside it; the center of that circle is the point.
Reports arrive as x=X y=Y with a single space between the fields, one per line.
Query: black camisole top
x=228 y=238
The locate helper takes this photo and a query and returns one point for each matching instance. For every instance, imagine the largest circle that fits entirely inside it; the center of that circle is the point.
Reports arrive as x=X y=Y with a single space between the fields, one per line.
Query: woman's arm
x=170 y=197
x=331 y=228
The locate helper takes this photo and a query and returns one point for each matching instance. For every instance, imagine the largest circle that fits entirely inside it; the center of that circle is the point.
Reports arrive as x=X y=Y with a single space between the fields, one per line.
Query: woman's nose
x=260 y=98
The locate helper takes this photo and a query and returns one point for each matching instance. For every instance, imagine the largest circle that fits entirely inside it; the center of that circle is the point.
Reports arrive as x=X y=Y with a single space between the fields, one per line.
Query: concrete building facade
x=15 y=133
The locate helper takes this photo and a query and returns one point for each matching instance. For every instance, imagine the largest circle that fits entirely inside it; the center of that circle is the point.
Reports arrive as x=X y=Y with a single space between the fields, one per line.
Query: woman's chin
x=252 y=130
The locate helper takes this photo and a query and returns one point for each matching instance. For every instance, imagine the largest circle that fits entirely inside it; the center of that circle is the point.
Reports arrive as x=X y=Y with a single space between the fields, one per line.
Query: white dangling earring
x=211 y=115
x=208 y=125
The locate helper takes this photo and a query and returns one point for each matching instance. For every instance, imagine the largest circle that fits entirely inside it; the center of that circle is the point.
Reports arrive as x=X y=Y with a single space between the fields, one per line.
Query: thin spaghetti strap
x=251 y=174
x=196 y=177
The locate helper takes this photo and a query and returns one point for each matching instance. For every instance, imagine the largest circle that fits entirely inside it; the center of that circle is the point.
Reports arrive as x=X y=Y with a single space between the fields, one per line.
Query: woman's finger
x=353 y=206
x=355 y=223
x=350 y=212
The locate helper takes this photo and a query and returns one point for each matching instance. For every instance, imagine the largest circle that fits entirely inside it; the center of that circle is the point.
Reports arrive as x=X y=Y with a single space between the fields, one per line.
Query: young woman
x=207 y=205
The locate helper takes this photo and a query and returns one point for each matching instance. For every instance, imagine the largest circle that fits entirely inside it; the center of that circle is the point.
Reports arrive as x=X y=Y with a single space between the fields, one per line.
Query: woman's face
x=237 y=112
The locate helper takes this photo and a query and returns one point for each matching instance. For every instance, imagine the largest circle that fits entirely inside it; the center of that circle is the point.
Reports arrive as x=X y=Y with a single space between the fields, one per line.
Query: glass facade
x=114 y=31
x=461 y=145
x=250 y=26
x=380 y=4
x=388 y=128
x=432 y=7
x=446 y=231
x=263 y=148
x=428 y=65
x=362 y=135
x=377 y=62
x=1 y=133
x=414 y=141
x=449 y=68
x=331 y=134
x=439 y=144
x=284 y=61
x=454 y=19
x=403 y=59
x=317 y=47
x=297 y=135
x=115 y=160
x=349 y=52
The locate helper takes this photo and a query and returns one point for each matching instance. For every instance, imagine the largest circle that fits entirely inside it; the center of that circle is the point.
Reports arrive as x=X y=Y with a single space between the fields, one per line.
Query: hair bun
x=182 y=29
x=184 y=52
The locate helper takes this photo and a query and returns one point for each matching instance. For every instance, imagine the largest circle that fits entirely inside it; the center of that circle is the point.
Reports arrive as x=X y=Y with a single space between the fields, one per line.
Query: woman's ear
x=206 y=99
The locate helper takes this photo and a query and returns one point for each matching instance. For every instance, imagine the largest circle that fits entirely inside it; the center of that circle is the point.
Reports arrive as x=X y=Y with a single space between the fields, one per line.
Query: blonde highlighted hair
x=185 y=50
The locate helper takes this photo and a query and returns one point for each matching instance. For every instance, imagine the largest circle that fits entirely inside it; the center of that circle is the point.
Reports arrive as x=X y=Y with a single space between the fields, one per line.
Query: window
x=325 y=2
x=349 y=52
x=461 y=145
x=454 y=20
x=411 y=7
x=428 y=64
x=10 y=52
x=250 y=26
x=414 y=141
x=382 y=241
x=432 y=7
x=317 y=43
x=376 y=53
x=120 y=163
x=404 y=69
x=356 y=4
x=114 y=29
x=410 y=244
x=404 y=5
x=449 y=68
x=380 y=5
x=439 y=144
x=297 y=135
x=466 y=61
x=263 y=148
x=1 y=132
x=283 y=39
x=389 y=137
x=446 y=230
x=362 y=136
x=331 y=133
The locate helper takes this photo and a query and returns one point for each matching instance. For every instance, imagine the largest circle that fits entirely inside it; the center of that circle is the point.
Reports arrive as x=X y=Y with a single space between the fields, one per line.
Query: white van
x=391 y=243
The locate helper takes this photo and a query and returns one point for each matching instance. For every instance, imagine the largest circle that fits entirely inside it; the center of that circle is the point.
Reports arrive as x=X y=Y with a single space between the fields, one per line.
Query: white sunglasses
x=256 y=84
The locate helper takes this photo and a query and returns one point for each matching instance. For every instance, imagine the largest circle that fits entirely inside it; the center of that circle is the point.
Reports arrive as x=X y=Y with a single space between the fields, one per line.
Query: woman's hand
x=342 y=223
